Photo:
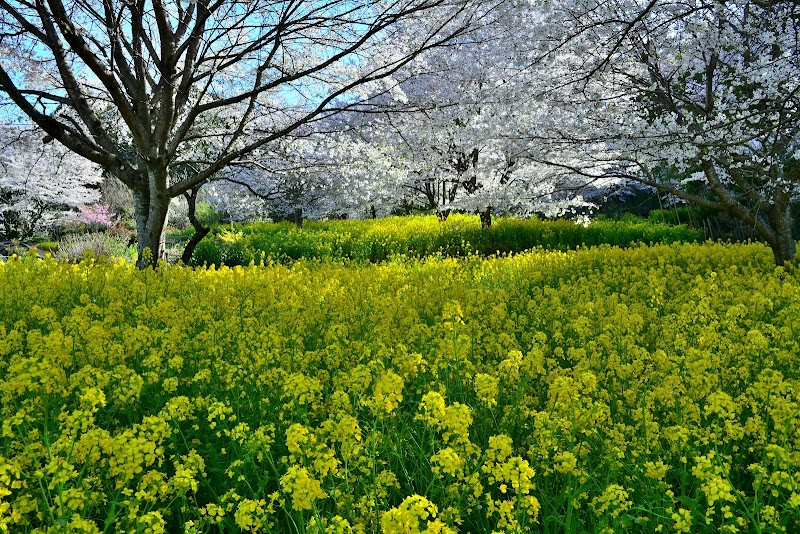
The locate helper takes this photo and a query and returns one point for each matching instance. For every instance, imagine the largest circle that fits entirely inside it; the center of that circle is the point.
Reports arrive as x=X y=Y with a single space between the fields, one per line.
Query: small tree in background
x=99 y=217
x=42 y=186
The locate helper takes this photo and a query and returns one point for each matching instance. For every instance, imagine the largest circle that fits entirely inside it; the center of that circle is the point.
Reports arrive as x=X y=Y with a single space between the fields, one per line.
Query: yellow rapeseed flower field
x=653 y=389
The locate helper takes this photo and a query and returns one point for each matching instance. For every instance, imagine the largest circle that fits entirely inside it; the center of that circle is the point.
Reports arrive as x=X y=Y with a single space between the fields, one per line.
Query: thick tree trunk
x=784 y=251
x=783 y=244
x=151 y=237
x=141 y=207
x=772 y=220
x=150 y=211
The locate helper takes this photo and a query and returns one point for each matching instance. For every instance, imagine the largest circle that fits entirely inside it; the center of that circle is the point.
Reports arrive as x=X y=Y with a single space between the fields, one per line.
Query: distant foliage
x=97 y=244
x=459 y=235
x=42 y=186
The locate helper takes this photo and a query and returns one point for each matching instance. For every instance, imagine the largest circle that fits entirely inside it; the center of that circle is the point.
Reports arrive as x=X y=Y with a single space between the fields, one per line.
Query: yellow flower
x=452 y=421
x=152 y=523
x=93 y=397
x=406 y=518
x=250 y=514
x=214 y=513
x=334 y=525
x=683 y=520
x=302 y=487
x=565 y=462
x=187 y=471
x=615 y=499
x=301 y=390
x=486 y=388
x=655 y=470
x=388 y=393
x=448 y=461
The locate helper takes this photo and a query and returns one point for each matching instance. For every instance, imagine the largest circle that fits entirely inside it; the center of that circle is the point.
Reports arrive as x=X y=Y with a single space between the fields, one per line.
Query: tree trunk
x=298 y=217
x=486 y=219
x=150 y=212
x=152 y=236
x=784 y=252
x=141 y=207
x=783 y=244
x=200 y=231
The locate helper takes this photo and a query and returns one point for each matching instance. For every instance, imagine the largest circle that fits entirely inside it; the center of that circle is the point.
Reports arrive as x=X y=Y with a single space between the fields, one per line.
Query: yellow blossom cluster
x=653 y=389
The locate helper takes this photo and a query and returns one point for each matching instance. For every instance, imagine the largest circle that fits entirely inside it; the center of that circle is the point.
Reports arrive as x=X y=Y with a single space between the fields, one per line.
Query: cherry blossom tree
x=442 y=132
x=697 y=99
x=456 y=121
x=134 y=85
x=42 y=186
x=327 y=174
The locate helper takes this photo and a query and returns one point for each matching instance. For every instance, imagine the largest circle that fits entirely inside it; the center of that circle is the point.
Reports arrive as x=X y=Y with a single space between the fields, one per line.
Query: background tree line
x=360 y=109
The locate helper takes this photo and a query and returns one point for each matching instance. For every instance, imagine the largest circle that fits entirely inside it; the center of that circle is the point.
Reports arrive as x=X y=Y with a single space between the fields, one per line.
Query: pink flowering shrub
x=99 y=215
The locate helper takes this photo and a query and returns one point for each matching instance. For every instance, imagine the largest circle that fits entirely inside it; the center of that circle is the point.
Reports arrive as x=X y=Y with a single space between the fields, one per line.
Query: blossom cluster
x=653 y=389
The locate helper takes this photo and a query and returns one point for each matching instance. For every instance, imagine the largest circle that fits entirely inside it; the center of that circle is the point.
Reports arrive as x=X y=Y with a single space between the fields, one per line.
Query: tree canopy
x=367 y=107
x=164 y=95
x=698 y=99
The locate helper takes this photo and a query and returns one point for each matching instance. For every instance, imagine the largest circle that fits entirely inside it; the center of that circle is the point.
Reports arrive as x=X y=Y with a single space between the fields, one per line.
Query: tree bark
x=152 y=238
x=486 y=218
x=782 y=244
x=200 y=231
x=141 y=208
x=784 y=251
x=151 y=205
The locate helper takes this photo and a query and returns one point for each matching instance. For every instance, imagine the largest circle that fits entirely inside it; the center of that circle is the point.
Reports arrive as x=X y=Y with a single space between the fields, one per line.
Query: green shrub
x=98 y=244
x=422 y=236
